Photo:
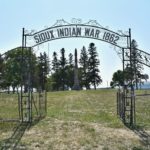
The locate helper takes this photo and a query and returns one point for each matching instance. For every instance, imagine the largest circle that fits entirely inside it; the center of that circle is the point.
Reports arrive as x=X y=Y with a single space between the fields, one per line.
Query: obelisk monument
x=76 y=85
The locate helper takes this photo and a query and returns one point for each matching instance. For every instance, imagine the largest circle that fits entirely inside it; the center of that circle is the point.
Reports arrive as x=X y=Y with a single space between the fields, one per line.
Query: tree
x=84 y=68
x=70 y=72
x=17 y=67
x=43 y=67
x=63 y=63
x=55 y=78
x=137 y=67
x=144 y=77
x=70 y=62
x=93 y=63
x=55 y=62
x=117 y=79
x=12 y=69
x=29 y=73
x=120 y=78
x=1 y=70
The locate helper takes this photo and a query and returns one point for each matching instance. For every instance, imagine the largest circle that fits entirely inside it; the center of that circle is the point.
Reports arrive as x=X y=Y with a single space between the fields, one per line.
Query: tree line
x=18 y=67
x=62 y=71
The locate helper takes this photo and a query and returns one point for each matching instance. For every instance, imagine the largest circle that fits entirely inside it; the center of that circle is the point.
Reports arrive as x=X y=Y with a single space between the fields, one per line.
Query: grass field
x=8 y=106
x=83 y=120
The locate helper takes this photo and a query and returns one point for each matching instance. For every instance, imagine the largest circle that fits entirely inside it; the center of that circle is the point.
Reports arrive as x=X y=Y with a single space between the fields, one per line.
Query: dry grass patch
x=74 y=135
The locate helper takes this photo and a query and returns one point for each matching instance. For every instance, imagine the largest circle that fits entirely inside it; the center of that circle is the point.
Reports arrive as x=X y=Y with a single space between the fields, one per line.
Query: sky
x=113 y=14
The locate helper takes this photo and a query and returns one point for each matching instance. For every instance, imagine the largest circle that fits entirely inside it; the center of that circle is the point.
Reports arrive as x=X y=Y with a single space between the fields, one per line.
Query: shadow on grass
x=143 y=135
x=12 y=142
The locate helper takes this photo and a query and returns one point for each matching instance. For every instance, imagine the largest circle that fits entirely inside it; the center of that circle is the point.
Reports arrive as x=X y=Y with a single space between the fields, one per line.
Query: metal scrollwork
x=60 y=23
x=140 y=56
x=76 y=21
x=94 y=23
x=127 y=54
x=144 y=57
x=123 y=33
x=31 y=32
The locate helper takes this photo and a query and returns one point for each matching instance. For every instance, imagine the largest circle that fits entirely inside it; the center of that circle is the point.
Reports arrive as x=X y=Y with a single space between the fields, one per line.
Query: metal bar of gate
x=21 y=95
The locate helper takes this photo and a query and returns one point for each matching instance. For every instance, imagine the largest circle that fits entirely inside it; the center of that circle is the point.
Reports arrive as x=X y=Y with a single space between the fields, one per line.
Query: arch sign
x=76 y=29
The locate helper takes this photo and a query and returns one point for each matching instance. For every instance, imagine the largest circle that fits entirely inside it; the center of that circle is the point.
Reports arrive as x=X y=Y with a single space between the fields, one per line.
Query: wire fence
x=10 y=102
x=143 y=108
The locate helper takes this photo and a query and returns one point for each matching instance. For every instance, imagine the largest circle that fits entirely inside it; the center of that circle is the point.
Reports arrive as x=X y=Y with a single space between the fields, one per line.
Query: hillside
x=81 y=120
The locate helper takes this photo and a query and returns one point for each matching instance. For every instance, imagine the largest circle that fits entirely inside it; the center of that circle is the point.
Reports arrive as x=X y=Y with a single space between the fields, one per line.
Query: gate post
x=132 y=109
x=126 y=99
x=25 y=102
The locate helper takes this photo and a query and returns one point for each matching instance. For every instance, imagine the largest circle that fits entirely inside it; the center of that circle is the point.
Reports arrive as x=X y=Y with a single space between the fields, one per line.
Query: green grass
x=85 y=106
x=81 y=120
x=143 y=109
x=8 y=106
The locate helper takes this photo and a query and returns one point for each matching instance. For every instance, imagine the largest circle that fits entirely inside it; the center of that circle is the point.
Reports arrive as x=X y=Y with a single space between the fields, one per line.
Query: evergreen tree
x=1 y=70
x=93 y=63
x=43 y=70
x=70 y=62
x=63 y=63
x=55 y=77
x=137 y=67
x=70 y=72
x=84 y=68
x=55 y=62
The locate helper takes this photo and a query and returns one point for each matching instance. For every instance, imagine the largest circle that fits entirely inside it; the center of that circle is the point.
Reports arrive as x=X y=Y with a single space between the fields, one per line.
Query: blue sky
x=115 y=14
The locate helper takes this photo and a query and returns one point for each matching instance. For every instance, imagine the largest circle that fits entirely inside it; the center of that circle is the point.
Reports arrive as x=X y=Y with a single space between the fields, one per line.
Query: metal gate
x=143 y=108
x=22 y=94
x=126 y=107
x=126 y=97
x=32 y=105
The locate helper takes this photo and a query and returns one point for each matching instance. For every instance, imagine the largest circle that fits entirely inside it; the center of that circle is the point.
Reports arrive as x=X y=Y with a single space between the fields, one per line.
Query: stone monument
x=76 y=85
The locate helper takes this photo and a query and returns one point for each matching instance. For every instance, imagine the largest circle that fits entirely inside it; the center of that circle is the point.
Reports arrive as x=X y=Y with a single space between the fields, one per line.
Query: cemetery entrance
x=32 y=103
x=75 y=29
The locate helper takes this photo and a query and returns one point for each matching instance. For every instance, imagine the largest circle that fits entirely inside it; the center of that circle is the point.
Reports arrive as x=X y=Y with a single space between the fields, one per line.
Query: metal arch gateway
x=62 y=29
x=93 y=30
